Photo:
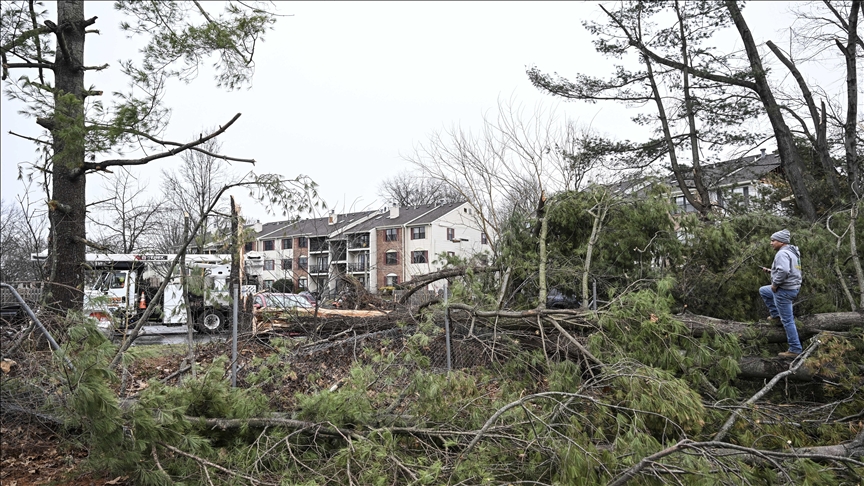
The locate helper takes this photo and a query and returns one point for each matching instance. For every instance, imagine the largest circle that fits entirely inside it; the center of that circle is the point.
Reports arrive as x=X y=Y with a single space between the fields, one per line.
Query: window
x=250 y=246
x=743 y=193
x=301 y=282
x=683 y=204
x=286 y=263
x=268 y=245
x=390 y=234
x=419 y=257
x=392 y=280
x=287 y=243
x=451 y=234
x=418 y=233
x=390 y=258
x=483 y=239
x=269 y=265
x=302 y=242
x=303 y=262
x=268 y=284
x=451 y=253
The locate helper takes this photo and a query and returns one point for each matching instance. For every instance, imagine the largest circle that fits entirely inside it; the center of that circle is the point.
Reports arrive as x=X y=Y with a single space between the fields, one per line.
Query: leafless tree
x=189 y=191
x=127 y=221
x=828 y=120
x=409 y=189
x=22 y=232
x=517 y=156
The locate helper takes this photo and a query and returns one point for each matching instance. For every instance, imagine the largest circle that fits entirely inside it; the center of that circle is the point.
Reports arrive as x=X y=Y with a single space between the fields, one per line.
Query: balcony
x=317 y=268
x=318 y=245
x=358 y=267
x=359 y=242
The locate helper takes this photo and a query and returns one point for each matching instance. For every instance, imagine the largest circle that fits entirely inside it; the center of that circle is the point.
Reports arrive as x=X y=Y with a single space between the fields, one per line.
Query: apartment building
x=378 y=248
x=298 y=250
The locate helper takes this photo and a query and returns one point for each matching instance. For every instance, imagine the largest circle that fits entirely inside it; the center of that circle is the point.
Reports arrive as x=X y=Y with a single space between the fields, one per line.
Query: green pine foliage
x=396 y=418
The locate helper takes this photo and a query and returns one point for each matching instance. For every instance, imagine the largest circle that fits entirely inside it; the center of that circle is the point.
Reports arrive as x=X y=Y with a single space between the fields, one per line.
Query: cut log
x=808 y=326
x=761 y=368
x=303 y=319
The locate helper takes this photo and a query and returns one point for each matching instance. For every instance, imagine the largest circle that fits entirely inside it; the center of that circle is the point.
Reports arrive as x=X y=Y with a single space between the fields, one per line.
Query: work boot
x=788 y=354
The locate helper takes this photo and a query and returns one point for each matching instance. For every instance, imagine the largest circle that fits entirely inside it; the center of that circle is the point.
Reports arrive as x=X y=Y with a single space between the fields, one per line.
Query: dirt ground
x=30 y=454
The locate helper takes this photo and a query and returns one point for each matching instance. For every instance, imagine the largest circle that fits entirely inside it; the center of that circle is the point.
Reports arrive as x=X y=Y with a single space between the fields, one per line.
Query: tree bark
x=808 y=326
x=68 y=181
x=791 y=161
x=850 y=142
x=820 y=124
x=421 y=281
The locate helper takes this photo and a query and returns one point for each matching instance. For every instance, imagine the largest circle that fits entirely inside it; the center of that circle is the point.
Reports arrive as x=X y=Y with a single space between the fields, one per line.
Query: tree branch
x=205 y=462
x=797 y=363
x=35 y=140
x=170 y=143
x=421 y=281
x=677 y=65
x=23 y=38
x=40 y=65
x=98 y=166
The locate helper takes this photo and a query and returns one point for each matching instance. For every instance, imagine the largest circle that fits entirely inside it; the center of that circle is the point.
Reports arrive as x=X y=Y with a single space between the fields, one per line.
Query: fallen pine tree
x=557 y=390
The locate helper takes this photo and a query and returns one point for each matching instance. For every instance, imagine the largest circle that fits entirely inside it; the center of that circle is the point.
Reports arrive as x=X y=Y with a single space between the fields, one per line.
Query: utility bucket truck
x=122 y=286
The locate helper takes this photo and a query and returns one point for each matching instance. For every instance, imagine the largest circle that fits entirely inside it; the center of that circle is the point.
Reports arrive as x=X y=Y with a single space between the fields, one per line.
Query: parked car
x=555 y=299
x=273 y=300
x=309 y=296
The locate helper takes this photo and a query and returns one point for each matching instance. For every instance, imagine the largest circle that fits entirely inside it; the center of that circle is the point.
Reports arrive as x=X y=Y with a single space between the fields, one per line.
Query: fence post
x=234 y=338
x=447 y=326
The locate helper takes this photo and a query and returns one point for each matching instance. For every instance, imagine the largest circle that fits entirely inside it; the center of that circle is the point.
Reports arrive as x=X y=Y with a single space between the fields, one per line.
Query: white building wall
x=466 y=241
x=277 y=255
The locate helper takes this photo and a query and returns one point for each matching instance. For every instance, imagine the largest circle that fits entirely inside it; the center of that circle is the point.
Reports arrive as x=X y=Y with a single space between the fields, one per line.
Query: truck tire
x=211 y=321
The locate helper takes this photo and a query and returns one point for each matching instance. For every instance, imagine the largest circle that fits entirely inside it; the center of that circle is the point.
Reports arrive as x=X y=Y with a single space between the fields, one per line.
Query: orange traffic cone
x=142 y=304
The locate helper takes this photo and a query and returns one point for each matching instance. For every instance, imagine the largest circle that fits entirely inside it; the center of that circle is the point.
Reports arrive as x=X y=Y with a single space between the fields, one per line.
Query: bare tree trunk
x=705 y=199
x=820 y=124
x=853 y=165
x=789 y=157
x=67 y=205
x=837 y=272
x=670 y=145
x=541 y=269
x=599 y=213
x=853 y=249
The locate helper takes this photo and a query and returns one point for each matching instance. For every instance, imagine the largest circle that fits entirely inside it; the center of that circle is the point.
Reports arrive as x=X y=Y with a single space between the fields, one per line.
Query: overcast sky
x=342 y=91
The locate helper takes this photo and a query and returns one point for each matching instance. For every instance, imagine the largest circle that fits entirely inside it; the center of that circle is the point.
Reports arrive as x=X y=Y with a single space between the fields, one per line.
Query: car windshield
x=286 y=301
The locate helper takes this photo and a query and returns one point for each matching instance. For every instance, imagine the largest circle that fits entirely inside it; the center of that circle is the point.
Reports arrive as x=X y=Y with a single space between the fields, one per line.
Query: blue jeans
x=780 y=305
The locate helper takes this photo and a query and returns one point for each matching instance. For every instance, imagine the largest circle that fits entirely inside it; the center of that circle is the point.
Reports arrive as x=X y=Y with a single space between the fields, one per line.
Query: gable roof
x=742 y=169
x=722 y=174
x=310 y=227
x=414 y=215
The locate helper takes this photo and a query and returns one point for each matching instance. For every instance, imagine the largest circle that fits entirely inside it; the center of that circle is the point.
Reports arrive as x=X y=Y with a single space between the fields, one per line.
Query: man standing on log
x=785 y=282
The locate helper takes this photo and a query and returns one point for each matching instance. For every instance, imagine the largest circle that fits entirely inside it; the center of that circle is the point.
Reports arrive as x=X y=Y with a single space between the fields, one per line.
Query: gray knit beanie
x=782 y=236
